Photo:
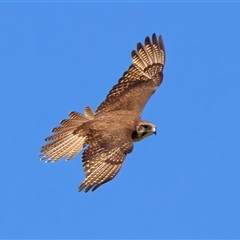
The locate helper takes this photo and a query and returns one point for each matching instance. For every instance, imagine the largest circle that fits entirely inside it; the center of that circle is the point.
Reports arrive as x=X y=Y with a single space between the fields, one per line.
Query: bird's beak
x=155 y=131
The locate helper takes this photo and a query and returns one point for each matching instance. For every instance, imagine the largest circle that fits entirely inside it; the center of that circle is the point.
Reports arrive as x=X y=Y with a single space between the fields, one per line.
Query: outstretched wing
x=141 y=80
x=104 y=156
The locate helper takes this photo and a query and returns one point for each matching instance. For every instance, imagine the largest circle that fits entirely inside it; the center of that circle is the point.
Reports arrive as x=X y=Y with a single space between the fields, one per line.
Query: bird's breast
x=115 y=120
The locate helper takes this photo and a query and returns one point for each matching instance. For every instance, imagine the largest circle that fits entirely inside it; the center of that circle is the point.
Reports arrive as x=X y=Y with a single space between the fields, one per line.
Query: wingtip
x=161 y=43
x=139 y=46
x=133 y=53
x=154 y=38
x=80 y=189
x=86 y=188
x=158 y=40
x=147 y=41
x=154 y=35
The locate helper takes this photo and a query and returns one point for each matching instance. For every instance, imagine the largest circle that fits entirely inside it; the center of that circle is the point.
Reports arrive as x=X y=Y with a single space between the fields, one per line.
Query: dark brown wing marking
x=104 y=157
x=140 y=81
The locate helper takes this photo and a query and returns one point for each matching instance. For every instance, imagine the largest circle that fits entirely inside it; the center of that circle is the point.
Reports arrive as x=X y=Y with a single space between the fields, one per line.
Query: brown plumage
x=109 y=133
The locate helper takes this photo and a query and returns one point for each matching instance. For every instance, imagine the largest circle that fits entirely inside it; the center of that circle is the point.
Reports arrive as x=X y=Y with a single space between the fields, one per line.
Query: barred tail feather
x=69 y=138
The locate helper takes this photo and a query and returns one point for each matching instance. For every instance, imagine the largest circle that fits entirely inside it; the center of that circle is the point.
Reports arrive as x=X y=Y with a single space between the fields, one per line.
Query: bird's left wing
x=104 y=156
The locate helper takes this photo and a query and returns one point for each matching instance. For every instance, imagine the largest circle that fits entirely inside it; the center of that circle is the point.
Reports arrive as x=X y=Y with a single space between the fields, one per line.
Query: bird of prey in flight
x=108 y=134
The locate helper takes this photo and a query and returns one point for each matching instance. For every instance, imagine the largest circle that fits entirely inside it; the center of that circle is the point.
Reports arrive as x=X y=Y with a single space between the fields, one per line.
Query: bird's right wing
x=141 y=80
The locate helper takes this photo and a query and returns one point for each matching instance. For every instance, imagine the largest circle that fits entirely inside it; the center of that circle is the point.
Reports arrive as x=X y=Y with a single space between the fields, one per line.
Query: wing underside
x=104 y=157
x=140 y=81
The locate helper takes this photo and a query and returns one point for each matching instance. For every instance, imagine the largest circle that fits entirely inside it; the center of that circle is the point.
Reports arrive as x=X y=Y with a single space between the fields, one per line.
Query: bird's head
x=143 y=130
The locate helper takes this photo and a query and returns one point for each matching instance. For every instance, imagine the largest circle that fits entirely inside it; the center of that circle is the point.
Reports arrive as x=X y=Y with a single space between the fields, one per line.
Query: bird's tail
x=69 y=138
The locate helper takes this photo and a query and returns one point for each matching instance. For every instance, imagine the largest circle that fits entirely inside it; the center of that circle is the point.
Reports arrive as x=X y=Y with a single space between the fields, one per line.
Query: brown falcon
x=109 y=132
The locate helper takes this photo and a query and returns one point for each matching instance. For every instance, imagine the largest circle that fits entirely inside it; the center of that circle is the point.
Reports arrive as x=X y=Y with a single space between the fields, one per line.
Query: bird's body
x=110 y=132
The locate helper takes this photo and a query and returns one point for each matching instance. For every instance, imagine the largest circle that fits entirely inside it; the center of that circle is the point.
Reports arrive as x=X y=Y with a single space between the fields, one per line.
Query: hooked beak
x=155 y=131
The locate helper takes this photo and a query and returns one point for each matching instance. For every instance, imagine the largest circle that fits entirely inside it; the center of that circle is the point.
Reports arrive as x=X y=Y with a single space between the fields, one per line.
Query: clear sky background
x=182 y=183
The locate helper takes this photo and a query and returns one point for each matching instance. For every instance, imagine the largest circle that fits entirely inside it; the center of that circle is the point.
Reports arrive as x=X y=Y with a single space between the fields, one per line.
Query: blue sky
x=181 y=183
